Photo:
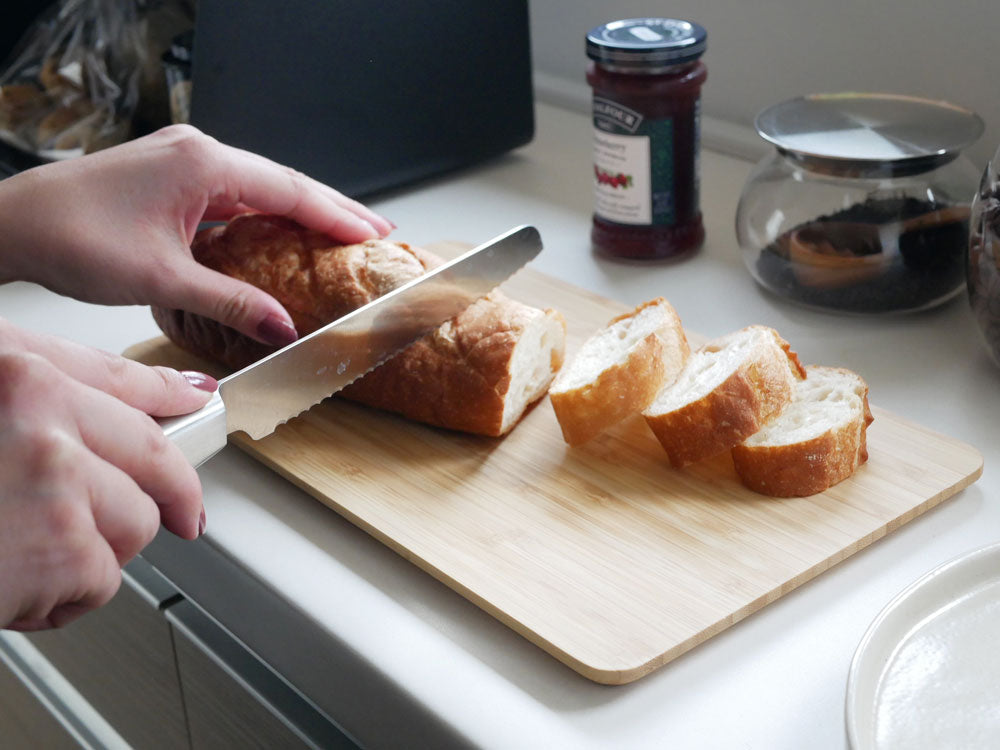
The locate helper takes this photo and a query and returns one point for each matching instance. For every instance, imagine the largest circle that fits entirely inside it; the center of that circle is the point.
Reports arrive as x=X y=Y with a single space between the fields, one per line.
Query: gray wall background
x=765 y=51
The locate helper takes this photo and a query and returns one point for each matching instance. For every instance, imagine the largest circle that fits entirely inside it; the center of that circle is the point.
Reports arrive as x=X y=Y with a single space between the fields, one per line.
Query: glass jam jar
x=863 y=205
x=646 y=76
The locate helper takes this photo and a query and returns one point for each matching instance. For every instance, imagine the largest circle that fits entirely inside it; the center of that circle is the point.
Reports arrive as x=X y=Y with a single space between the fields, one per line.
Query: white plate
x=927 y=672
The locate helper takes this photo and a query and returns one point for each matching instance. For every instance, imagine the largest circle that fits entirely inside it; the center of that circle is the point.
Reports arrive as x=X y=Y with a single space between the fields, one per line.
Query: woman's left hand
x=115 y=227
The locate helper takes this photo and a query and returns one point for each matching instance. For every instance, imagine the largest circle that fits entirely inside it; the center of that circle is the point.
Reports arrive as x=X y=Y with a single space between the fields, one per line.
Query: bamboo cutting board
x=604 y=556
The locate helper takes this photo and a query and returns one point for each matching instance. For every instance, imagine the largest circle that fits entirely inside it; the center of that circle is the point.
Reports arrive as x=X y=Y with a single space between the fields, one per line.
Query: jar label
x=633 y=166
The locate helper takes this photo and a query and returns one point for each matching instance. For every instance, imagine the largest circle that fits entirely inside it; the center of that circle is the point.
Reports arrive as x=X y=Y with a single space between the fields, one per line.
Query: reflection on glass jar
x=863 y=206
x=984 y=258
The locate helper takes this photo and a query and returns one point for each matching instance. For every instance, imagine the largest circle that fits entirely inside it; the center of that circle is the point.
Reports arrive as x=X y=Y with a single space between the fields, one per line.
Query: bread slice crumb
x=729 y=389
x=818 y=440
x=619 y=370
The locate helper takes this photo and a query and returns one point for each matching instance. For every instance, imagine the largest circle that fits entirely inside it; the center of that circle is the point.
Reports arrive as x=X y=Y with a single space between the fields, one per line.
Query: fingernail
x=202 y=522
x=276 y=331
x=201 y=381
x=390 y=222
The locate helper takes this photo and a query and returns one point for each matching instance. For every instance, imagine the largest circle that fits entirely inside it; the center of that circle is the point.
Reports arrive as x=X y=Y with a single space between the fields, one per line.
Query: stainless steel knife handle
x=200 y=434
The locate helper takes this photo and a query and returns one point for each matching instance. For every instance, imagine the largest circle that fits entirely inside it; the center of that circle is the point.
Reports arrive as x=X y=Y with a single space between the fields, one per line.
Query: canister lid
x=869 y=130
x=646 y=42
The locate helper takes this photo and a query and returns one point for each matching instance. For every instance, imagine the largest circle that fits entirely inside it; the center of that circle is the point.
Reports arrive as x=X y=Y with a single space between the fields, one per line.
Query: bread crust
x=313 y=277
x=456 y=377
x=459 y=376
x=625 y=387
x=754 y=392
x=809 y=466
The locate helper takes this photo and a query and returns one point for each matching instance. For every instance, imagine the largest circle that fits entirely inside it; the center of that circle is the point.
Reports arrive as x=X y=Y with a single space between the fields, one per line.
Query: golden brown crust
x=626 y=387
x=457 y=377
x=316 y=279
x=738 y=407
x=810 y=466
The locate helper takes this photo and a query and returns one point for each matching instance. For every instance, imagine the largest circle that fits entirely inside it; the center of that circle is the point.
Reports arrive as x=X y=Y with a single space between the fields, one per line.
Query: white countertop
x=775 y=680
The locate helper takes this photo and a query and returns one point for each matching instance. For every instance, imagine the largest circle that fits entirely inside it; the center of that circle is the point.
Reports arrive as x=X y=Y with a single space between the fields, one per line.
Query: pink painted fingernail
x=276 y=331
x=201 y=381
x=202 y=522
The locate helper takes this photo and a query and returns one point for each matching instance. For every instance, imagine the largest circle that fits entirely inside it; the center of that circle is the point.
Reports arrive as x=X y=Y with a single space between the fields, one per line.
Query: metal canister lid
x=869 y=130
x=646 y=42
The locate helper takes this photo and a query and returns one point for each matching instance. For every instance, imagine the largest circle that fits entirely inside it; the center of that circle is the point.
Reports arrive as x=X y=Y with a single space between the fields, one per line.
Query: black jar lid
x=867 y=132
x=646 y=42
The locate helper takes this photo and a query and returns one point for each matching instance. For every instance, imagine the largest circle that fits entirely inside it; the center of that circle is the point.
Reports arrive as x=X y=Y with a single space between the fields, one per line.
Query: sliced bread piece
x=818 y=440
x=618 y=370
x=729 y=389
x=478 y=372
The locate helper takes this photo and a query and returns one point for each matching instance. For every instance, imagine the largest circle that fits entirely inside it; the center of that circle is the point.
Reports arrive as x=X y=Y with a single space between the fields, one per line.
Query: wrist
x=16 y=210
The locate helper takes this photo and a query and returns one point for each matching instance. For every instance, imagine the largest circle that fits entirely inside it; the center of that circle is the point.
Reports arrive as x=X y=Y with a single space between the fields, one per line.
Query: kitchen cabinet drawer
x=233 y=699
x=121 y=660
x=24 y=720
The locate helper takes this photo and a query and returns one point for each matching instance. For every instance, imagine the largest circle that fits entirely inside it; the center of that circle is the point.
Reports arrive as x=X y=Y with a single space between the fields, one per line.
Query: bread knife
x=286 y=383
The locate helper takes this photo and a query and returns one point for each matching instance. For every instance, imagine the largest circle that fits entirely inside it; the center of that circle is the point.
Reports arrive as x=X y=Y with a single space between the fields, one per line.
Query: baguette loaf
x=728 y=390
x=818 y=440
x=619 y=370
x=478 y=372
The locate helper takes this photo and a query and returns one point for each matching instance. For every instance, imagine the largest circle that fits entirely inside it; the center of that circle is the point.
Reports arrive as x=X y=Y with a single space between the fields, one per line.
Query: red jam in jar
x=646 y=75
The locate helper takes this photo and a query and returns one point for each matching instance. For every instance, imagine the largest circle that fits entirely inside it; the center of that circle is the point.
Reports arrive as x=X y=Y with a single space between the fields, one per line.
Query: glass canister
x=863 y=205
x=646 y=75
x=984 y=257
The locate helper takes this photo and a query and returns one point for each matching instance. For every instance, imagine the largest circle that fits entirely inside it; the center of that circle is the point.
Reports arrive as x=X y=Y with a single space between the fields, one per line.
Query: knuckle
x=146 y=529
x=117 y=369
x=156 y=448
x=112 y=582
x=191 y=146
x=66 y=519
x=235 y=307
x=178 y=131
x=47 y=453
x=21 y=375
x=298 y=190
x=171 y=380
x=184 y=136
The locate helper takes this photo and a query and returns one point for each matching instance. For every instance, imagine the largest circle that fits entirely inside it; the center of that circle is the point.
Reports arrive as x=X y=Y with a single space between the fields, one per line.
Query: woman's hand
x=86 y=476
x=115 y=227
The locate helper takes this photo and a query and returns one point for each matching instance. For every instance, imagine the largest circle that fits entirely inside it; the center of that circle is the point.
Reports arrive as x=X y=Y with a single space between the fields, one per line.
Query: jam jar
x=646 y=76
x=863 y=205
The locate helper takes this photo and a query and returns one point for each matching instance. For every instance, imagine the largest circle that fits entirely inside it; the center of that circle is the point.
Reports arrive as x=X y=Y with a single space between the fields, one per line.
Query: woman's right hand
x=86 y=475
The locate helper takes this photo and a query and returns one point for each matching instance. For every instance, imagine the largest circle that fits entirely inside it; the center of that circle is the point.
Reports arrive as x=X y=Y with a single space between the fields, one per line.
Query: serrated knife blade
x=283 y=385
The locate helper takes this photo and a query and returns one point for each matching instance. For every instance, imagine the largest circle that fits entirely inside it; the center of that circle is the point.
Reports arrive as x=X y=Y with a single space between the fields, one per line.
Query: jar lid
x=869 y=130
x=646 y=42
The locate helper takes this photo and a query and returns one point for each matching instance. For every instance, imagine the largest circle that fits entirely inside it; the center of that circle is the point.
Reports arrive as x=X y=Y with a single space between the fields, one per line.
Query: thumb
x=233 y=303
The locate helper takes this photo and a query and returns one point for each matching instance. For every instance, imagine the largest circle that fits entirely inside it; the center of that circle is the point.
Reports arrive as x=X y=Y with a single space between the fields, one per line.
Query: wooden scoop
x=832 y=254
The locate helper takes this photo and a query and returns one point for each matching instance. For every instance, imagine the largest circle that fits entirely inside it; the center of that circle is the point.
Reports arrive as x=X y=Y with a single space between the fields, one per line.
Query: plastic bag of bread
x=71 y=84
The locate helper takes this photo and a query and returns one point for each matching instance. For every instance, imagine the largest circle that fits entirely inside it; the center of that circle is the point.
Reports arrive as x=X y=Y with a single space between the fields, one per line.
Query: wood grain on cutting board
x=603 y=555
